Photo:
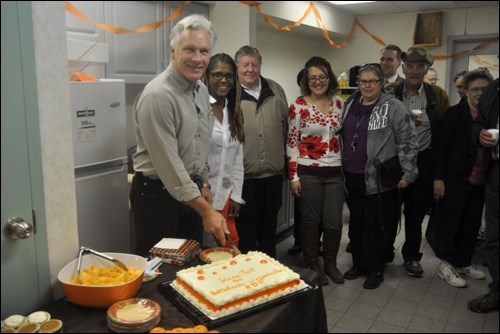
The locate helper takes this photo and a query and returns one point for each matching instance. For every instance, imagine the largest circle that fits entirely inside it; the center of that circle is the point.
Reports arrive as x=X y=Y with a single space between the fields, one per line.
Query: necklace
x=355 y=137
x=360 y=116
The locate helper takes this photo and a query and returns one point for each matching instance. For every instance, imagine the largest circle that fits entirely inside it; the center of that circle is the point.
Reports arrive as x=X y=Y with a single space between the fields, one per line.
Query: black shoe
x=352 y=273
x=483 y=304
x=373 y=280
x=414 y=269
x=295 y=249
x=389 y=259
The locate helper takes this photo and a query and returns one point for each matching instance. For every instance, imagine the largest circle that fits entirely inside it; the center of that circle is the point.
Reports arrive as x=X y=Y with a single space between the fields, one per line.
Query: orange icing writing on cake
x=236 y=302
x=236 y=278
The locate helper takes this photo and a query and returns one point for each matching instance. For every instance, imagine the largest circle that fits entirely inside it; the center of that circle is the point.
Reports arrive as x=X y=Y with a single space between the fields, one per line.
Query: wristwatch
x=206 y=185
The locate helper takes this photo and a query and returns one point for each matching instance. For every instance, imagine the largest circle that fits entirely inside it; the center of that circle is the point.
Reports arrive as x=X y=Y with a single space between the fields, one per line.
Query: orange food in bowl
x=101 y=296
x=105 y=276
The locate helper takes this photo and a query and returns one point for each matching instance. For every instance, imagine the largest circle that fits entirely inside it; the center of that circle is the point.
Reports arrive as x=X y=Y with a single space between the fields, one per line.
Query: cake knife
x=232 y=245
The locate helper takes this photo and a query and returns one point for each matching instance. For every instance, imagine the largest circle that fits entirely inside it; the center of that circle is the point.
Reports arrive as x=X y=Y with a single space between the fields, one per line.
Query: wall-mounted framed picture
x=428 y=29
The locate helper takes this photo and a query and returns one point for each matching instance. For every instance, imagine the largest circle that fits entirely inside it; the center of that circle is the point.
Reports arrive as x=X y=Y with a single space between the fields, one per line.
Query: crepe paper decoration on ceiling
x=119 y=30
x=152 y=26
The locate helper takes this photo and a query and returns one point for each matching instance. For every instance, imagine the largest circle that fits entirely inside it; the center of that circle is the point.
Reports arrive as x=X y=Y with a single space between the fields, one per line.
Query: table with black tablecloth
x=305 y=312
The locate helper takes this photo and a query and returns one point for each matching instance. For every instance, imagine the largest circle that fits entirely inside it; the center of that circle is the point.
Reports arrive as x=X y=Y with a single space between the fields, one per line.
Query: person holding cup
x=418 y=197
x=488 y=119
x=459 y=186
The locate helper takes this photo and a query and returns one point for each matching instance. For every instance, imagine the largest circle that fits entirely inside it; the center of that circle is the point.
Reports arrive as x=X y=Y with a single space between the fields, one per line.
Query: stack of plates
x=134 y=315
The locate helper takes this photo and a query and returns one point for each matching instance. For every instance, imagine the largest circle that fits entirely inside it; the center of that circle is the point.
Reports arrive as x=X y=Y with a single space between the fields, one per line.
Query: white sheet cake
x=228 y=286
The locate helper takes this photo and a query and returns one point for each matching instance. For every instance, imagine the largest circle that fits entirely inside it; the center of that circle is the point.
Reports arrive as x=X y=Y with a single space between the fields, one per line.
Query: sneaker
x=373 y=280
x=472 y=272
x=483 y=304
x=295 y=249
x=414 y=269
x=447 y=272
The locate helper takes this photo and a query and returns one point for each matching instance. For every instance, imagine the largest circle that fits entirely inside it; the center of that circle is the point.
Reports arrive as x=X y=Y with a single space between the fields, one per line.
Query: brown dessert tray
x=198 y=317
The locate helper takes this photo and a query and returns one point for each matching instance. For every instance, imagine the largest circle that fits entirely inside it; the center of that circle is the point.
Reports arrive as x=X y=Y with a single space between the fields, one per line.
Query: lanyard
x=355 y=137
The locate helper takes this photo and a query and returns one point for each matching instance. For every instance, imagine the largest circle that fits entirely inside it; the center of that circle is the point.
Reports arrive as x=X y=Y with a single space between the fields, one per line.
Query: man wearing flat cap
x=418 y=197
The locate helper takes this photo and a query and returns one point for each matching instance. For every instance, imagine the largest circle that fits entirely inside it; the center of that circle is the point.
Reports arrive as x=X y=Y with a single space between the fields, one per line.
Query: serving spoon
x=85 y=250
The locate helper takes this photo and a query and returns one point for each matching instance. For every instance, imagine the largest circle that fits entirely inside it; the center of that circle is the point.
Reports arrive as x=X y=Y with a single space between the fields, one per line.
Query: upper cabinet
x=134 y=57
x=87 y=49
x=82 y=30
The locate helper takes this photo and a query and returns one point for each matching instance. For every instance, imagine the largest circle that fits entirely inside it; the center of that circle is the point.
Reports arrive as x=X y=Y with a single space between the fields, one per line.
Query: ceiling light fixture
x=340 y=3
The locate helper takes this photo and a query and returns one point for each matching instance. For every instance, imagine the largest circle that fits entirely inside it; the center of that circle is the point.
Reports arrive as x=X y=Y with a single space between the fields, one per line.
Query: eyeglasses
x=220 y=75
x=368 y=82
x=321 y=78
x=476 y=90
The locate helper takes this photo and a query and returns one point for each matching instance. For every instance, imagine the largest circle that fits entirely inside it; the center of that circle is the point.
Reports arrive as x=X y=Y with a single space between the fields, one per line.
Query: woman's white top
x=225 y=163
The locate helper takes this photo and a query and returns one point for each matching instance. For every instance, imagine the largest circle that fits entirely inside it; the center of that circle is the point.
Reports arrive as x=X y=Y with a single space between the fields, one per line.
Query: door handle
x=17 y=228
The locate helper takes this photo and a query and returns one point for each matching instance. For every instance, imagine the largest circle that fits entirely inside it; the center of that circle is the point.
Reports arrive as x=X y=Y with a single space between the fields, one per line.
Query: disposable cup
x=417 y=113
x=494 y=133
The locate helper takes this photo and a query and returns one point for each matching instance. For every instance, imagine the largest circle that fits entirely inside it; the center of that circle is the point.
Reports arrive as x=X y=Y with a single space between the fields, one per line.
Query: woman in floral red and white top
x=314 y=165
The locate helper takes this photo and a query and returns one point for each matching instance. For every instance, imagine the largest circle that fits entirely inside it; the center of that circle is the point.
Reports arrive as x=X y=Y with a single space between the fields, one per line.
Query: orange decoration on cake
x=237 y=287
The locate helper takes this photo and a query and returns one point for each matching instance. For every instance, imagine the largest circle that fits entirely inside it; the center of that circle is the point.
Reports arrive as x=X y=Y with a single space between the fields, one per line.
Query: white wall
x=231 y=36
x=56 y=136
x=284 y=52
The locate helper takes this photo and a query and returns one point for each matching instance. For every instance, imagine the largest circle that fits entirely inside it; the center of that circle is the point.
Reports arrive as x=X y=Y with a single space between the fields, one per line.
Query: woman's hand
x=439 y=189
x=403 y=184
x=486 y=139
x=296 y=188
x=234 y=209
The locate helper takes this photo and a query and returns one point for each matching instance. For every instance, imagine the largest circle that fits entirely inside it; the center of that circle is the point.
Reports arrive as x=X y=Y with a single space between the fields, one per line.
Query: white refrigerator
x=100 y=157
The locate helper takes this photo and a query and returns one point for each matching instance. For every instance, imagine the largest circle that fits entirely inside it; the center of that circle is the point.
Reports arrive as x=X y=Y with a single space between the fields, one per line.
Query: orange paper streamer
x=480 y=60
x=155 y=25
x=79 y=76
x=119 y=30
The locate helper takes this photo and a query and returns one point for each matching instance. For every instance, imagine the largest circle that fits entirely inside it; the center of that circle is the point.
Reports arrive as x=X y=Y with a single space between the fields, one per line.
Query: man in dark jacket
x=390 y=60
x=418 y=197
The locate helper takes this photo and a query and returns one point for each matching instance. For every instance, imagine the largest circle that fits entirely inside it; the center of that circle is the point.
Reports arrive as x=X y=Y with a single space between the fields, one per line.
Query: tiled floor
x=402 y=303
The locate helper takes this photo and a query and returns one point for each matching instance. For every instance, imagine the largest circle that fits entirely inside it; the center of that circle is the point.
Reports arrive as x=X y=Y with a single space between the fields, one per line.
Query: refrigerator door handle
x=87 y=174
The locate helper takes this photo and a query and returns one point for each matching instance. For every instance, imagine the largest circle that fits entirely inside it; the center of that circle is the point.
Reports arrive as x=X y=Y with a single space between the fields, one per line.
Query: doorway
x=484 y=57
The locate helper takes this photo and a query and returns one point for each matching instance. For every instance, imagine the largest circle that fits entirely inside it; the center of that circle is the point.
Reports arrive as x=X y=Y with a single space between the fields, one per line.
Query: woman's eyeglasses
x=220 y=75
x=368 y=82
x=321 y=78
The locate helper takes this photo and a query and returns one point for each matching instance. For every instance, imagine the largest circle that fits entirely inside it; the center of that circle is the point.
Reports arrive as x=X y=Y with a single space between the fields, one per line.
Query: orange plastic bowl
x=101 y=296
